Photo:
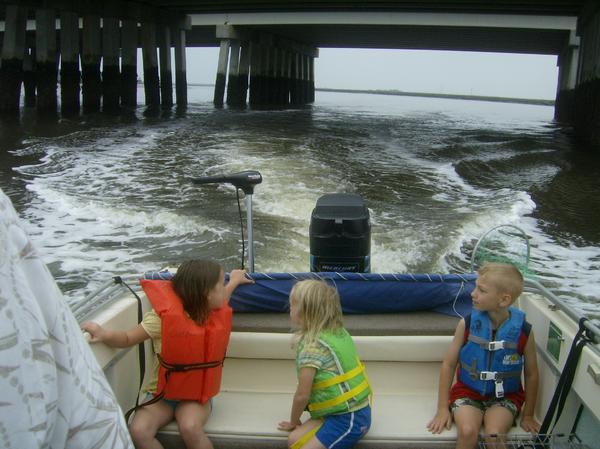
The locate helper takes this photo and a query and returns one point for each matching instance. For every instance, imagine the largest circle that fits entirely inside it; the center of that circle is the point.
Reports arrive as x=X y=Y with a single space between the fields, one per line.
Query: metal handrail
x=593 y=329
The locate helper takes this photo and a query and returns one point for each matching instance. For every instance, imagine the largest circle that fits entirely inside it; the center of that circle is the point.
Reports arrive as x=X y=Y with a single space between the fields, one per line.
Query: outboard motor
x=340 y=234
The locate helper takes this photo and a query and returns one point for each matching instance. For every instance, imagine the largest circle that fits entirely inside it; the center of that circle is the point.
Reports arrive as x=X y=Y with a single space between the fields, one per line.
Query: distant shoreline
x=427 y=95
x=447 y=96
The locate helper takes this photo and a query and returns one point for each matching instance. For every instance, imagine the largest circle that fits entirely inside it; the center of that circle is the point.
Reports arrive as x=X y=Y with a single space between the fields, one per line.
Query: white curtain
x=53 y=393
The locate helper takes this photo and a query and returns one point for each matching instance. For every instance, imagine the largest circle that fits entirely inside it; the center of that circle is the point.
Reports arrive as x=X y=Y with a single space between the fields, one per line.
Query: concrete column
x=233 y=80
x=311 y=79
x=69 y=63
x=90 y=63
x=151 y=81
x=287 y=76
x=306 y=79
x=567 y=63
x=586 y=122
x=46 y=71
x=13 y=50
x=244 y=72
x=255 y=72
x=129 y=43
x=166 y=73
x=269 y=66
x=295 y=79
x=29 y=78
x=221 y=73
x=180 y=68
x=110 y=68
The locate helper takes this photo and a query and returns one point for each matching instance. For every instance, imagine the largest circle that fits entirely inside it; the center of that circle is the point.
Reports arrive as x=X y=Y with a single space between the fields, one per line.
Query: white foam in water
x=116 y=201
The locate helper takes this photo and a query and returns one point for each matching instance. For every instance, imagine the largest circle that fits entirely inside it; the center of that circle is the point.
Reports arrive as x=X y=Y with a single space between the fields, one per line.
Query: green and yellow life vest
x=334 y=394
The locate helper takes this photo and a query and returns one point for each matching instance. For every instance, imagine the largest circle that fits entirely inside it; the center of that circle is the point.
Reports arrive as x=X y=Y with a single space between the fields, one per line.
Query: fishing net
x=534 y=441
x=503 y=244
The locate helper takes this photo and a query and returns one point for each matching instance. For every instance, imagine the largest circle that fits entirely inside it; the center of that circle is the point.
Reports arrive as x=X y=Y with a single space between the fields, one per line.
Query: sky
x=447 y=72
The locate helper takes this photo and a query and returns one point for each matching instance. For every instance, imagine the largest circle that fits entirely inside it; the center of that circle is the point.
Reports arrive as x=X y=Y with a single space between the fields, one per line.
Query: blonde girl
x=332 y=384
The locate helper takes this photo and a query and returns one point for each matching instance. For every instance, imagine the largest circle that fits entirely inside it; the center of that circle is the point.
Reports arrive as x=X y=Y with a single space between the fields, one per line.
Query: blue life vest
x=488 y=366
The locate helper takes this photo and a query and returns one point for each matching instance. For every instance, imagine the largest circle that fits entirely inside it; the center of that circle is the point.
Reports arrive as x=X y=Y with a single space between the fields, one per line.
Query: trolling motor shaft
x=245 y=180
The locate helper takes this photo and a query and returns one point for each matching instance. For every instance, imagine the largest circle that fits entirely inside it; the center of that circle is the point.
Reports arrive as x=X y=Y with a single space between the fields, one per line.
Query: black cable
x=141 y=347
x=237 y=194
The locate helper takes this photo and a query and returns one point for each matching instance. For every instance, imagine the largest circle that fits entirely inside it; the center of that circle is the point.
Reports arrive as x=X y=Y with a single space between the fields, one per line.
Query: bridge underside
x=533 y=41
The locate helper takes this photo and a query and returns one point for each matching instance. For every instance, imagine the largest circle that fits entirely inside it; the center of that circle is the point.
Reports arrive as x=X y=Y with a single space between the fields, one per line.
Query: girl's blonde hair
x=319 y=309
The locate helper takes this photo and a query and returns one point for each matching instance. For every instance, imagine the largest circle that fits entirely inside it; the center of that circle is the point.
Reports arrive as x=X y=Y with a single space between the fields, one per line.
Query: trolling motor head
x=245 y=180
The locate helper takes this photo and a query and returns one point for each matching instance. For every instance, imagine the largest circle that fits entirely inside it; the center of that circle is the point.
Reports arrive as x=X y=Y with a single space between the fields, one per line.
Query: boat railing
x=533 y=286
x=104 y=295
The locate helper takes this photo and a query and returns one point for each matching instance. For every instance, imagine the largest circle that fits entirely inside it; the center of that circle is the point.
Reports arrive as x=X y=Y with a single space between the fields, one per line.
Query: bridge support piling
x=311 y=79
x=69 y=63
x=13 y=49
x=255 y=73
x=586 y=120
x=180 y=69
x=166 y=73
x=128 y=85
x=151 y=80
x=233 y=79
x=90 y=63
x=111 y=76
x=221 y=73
x=244 y=72
x=29 y=83
x=46 y=71
x=295 y=79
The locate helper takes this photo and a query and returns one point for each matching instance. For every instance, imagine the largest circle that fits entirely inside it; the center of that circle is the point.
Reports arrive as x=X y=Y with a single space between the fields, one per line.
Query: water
x=104 y=196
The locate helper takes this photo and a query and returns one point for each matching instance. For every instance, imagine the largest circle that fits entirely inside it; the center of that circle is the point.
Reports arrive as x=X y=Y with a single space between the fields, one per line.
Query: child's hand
x=95 y=330
x=287 y=426
x=238 y=277
x=442 y=420
x=529 y=424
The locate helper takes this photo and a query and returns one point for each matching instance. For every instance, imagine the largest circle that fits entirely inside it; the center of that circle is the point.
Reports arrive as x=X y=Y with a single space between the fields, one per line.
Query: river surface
x=112 y=195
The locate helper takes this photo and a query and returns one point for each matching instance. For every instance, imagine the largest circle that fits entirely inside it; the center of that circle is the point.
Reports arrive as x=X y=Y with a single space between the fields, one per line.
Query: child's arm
x=443 y=417
x=115 y=339
x=528 y=422
x=301 y=397
x=236 y=278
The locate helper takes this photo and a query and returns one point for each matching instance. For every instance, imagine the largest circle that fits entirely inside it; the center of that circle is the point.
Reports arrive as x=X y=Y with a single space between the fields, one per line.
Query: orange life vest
x=191 y=358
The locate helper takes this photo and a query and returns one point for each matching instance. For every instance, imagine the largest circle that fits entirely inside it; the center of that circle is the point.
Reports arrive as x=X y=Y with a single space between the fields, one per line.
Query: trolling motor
x=245 y=180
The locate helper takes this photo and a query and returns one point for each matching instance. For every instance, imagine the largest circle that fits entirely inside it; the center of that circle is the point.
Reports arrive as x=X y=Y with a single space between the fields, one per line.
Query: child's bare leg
x=497 y=421
x=191 y=417
x=146 y=423
x=468 y=421
x=302 y=430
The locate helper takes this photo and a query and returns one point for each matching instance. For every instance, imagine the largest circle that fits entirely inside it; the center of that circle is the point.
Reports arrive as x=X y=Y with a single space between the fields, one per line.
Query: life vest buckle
x=488 y=375
x=495 y=345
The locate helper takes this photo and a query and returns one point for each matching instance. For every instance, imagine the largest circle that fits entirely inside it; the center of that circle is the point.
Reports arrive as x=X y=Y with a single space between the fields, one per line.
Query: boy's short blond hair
x=505 y=277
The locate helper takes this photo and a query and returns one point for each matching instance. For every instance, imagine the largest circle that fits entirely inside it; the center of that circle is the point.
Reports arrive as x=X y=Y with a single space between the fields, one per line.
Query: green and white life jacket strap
x=364 y=385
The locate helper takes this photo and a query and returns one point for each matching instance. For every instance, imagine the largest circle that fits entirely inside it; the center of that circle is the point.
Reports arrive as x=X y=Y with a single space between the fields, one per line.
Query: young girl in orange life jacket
x=188 y=312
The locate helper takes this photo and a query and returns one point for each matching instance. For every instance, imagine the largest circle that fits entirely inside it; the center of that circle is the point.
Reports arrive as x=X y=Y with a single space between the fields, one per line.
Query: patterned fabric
x=54 y=394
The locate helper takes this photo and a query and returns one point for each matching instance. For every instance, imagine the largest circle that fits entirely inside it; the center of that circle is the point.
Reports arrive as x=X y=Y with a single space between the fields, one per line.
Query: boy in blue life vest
x=490 y=350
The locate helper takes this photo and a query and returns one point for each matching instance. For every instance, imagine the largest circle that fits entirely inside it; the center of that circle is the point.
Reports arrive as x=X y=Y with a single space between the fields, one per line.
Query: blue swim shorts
x=343 y=431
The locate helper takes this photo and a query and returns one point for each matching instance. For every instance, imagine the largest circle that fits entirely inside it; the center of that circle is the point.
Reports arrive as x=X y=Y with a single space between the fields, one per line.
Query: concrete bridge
x=267 y=48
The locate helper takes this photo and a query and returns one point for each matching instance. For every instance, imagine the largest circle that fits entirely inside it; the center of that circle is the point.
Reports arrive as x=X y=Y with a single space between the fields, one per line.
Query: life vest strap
x=364 y=385
x=487 y=375
x=307 y=436
x=339 y=378
x=492 y=345
x=178 y=367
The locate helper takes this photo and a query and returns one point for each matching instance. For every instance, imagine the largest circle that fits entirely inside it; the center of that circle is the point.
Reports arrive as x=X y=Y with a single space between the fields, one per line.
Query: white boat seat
x=259 y=380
